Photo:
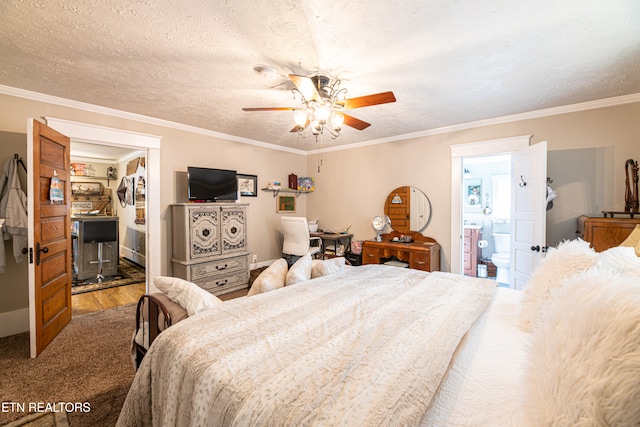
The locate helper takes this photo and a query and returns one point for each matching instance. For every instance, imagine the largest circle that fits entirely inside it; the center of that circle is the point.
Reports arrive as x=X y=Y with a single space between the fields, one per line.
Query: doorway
x=111 y=138
x=486 y=212
x=108 y=273
x=458 y=153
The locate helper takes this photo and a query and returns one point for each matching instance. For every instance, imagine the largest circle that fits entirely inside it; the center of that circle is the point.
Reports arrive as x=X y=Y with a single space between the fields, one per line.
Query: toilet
x=501 y=255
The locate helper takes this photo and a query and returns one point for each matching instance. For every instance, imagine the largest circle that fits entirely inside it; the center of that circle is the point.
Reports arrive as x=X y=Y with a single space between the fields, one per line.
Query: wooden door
x=528 y=212
x=50 y=273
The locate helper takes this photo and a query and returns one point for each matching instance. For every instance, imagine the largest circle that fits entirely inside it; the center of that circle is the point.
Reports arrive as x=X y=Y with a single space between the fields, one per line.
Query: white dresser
x=210 y=245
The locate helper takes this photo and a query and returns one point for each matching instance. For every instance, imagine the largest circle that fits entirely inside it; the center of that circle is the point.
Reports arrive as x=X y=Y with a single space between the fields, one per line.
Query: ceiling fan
x=323 y=102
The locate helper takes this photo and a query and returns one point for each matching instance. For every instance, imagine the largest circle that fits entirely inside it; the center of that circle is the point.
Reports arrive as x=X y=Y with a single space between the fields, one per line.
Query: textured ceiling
x=448 y=62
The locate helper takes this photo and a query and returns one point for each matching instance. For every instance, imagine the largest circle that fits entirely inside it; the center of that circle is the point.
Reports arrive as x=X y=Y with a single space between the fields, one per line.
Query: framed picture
x=86 y=188
x=248 y=185
x=286 y=204
x=473 y=193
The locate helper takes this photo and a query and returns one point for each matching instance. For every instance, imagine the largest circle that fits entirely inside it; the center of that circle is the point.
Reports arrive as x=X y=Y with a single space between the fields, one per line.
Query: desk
x=336 y=238
x=421 y=254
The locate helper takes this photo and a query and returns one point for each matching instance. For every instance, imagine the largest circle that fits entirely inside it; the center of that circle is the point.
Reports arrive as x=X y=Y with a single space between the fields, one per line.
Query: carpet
x=87 y=367
x=128 y=273
x=47 y=419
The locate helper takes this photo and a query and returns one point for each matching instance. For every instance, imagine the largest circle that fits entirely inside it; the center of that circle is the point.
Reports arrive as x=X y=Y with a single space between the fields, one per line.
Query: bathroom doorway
x=486 y=211
x=528 y=202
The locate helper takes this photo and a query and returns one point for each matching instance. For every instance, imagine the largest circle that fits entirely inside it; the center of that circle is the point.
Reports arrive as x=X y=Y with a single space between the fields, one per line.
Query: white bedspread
x=368 y=346
x=483 y=386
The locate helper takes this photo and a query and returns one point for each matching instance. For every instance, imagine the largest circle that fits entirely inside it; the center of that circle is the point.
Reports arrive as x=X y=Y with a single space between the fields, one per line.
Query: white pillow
x=300 y=271
x=584 y=358
x=270 y=279
x=620 y=259
x=329 y=266
x=568 y=259
x=192 y=297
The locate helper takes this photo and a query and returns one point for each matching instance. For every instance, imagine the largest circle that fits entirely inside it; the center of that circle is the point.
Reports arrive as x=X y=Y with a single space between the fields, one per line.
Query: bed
x=380 y=345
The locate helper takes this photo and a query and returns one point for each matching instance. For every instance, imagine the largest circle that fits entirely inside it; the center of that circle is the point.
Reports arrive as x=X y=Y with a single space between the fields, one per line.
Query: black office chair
x=100 y=232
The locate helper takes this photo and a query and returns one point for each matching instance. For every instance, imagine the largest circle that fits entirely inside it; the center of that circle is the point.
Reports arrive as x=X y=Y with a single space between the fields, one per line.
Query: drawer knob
x=222 y=283
x=221 y=268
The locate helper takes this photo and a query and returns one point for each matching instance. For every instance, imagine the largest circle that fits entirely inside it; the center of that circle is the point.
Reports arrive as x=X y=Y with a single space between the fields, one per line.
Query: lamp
x=322 y=112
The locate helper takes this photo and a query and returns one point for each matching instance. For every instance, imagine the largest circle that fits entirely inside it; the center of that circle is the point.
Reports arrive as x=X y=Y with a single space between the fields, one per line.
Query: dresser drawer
x=218 y=267
x=420 y=261
x=370 y=256
x=225 y=283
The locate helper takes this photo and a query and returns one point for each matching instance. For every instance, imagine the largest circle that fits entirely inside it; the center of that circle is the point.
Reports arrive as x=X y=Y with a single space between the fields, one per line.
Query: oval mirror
x=408 y=208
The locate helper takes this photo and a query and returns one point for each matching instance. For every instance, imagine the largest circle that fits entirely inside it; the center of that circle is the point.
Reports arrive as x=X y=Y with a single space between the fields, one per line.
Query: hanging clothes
x=13 y=208
x=550 y=196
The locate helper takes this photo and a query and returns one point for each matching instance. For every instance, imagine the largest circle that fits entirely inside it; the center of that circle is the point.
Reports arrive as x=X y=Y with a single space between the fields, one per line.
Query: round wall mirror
x=408 y=208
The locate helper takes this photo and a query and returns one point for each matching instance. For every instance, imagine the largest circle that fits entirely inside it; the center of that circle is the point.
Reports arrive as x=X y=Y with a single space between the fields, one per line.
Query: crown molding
x=590 y=105
x=49 y=99
x=583 y=106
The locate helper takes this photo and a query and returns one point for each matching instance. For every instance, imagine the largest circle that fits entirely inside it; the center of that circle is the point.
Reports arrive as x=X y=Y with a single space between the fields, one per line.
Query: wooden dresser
x=604 y=233
x=210 y=245
x=421 y=254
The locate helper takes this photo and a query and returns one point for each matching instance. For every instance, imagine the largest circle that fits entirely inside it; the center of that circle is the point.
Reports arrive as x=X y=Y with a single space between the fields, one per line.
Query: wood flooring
x=103 y=299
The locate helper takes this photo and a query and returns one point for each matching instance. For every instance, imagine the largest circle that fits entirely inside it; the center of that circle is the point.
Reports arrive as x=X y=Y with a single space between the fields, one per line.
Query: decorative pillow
x=565 y=261
x=584 y=361
x=620 y=259
x=270 y=279
x=300 y=271
x=633 y=241
x=189 y=295
x=329 y=266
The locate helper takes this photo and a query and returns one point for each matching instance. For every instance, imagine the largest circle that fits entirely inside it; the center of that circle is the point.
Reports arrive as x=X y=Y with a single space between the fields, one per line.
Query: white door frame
x=83 y=132
x=458 y=152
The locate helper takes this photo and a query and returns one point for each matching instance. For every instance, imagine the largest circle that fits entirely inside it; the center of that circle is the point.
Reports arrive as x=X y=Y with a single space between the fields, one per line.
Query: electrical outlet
x=255 y=258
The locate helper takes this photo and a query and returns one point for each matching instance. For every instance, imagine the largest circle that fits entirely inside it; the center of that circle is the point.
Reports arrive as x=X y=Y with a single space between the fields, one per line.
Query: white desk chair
x=297 y=241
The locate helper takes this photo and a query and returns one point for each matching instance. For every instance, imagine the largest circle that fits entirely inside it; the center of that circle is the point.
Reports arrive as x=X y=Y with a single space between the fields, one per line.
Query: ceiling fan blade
x=368 y=100
x=295 y=128
x=269 y=109
x=355 y=123
x=306 y=87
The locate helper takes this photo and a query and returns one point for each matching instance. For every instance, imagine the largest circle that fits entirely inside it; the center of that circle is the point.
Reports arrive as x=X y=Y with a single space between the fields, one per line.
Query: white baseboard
x=255 y=265
x=14 y=322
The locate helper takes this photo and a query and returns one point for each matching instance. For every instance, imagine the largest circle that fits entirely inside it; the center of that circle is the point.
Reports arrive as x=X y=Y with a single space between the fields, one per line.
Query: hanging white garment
x=13 y=208
x=550 y=196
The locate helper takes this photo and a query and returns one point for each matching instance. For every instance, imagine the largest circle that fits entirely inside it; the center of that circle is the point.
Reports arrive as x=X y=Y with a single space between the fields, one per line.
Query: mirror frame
x=396 y=207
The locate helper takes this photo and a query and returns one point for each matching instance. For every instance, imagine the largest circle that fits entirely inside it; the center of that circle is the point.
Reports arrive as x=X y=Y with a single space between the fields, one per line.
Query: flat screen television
x=211 y=185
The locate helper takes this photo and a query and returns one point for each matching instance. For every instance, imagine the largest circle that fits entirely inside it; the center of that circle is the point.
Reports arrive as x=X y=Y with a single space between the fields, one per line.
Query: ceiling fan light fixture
x=337 y=120
x=300 y=117
x=322 y=113
x=322 y=102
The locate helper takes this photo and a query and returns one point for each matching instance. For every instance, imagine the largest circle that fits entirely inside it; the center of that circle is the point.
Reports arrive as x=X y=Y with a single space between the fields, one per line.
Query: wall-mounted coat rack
x=20 y=162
